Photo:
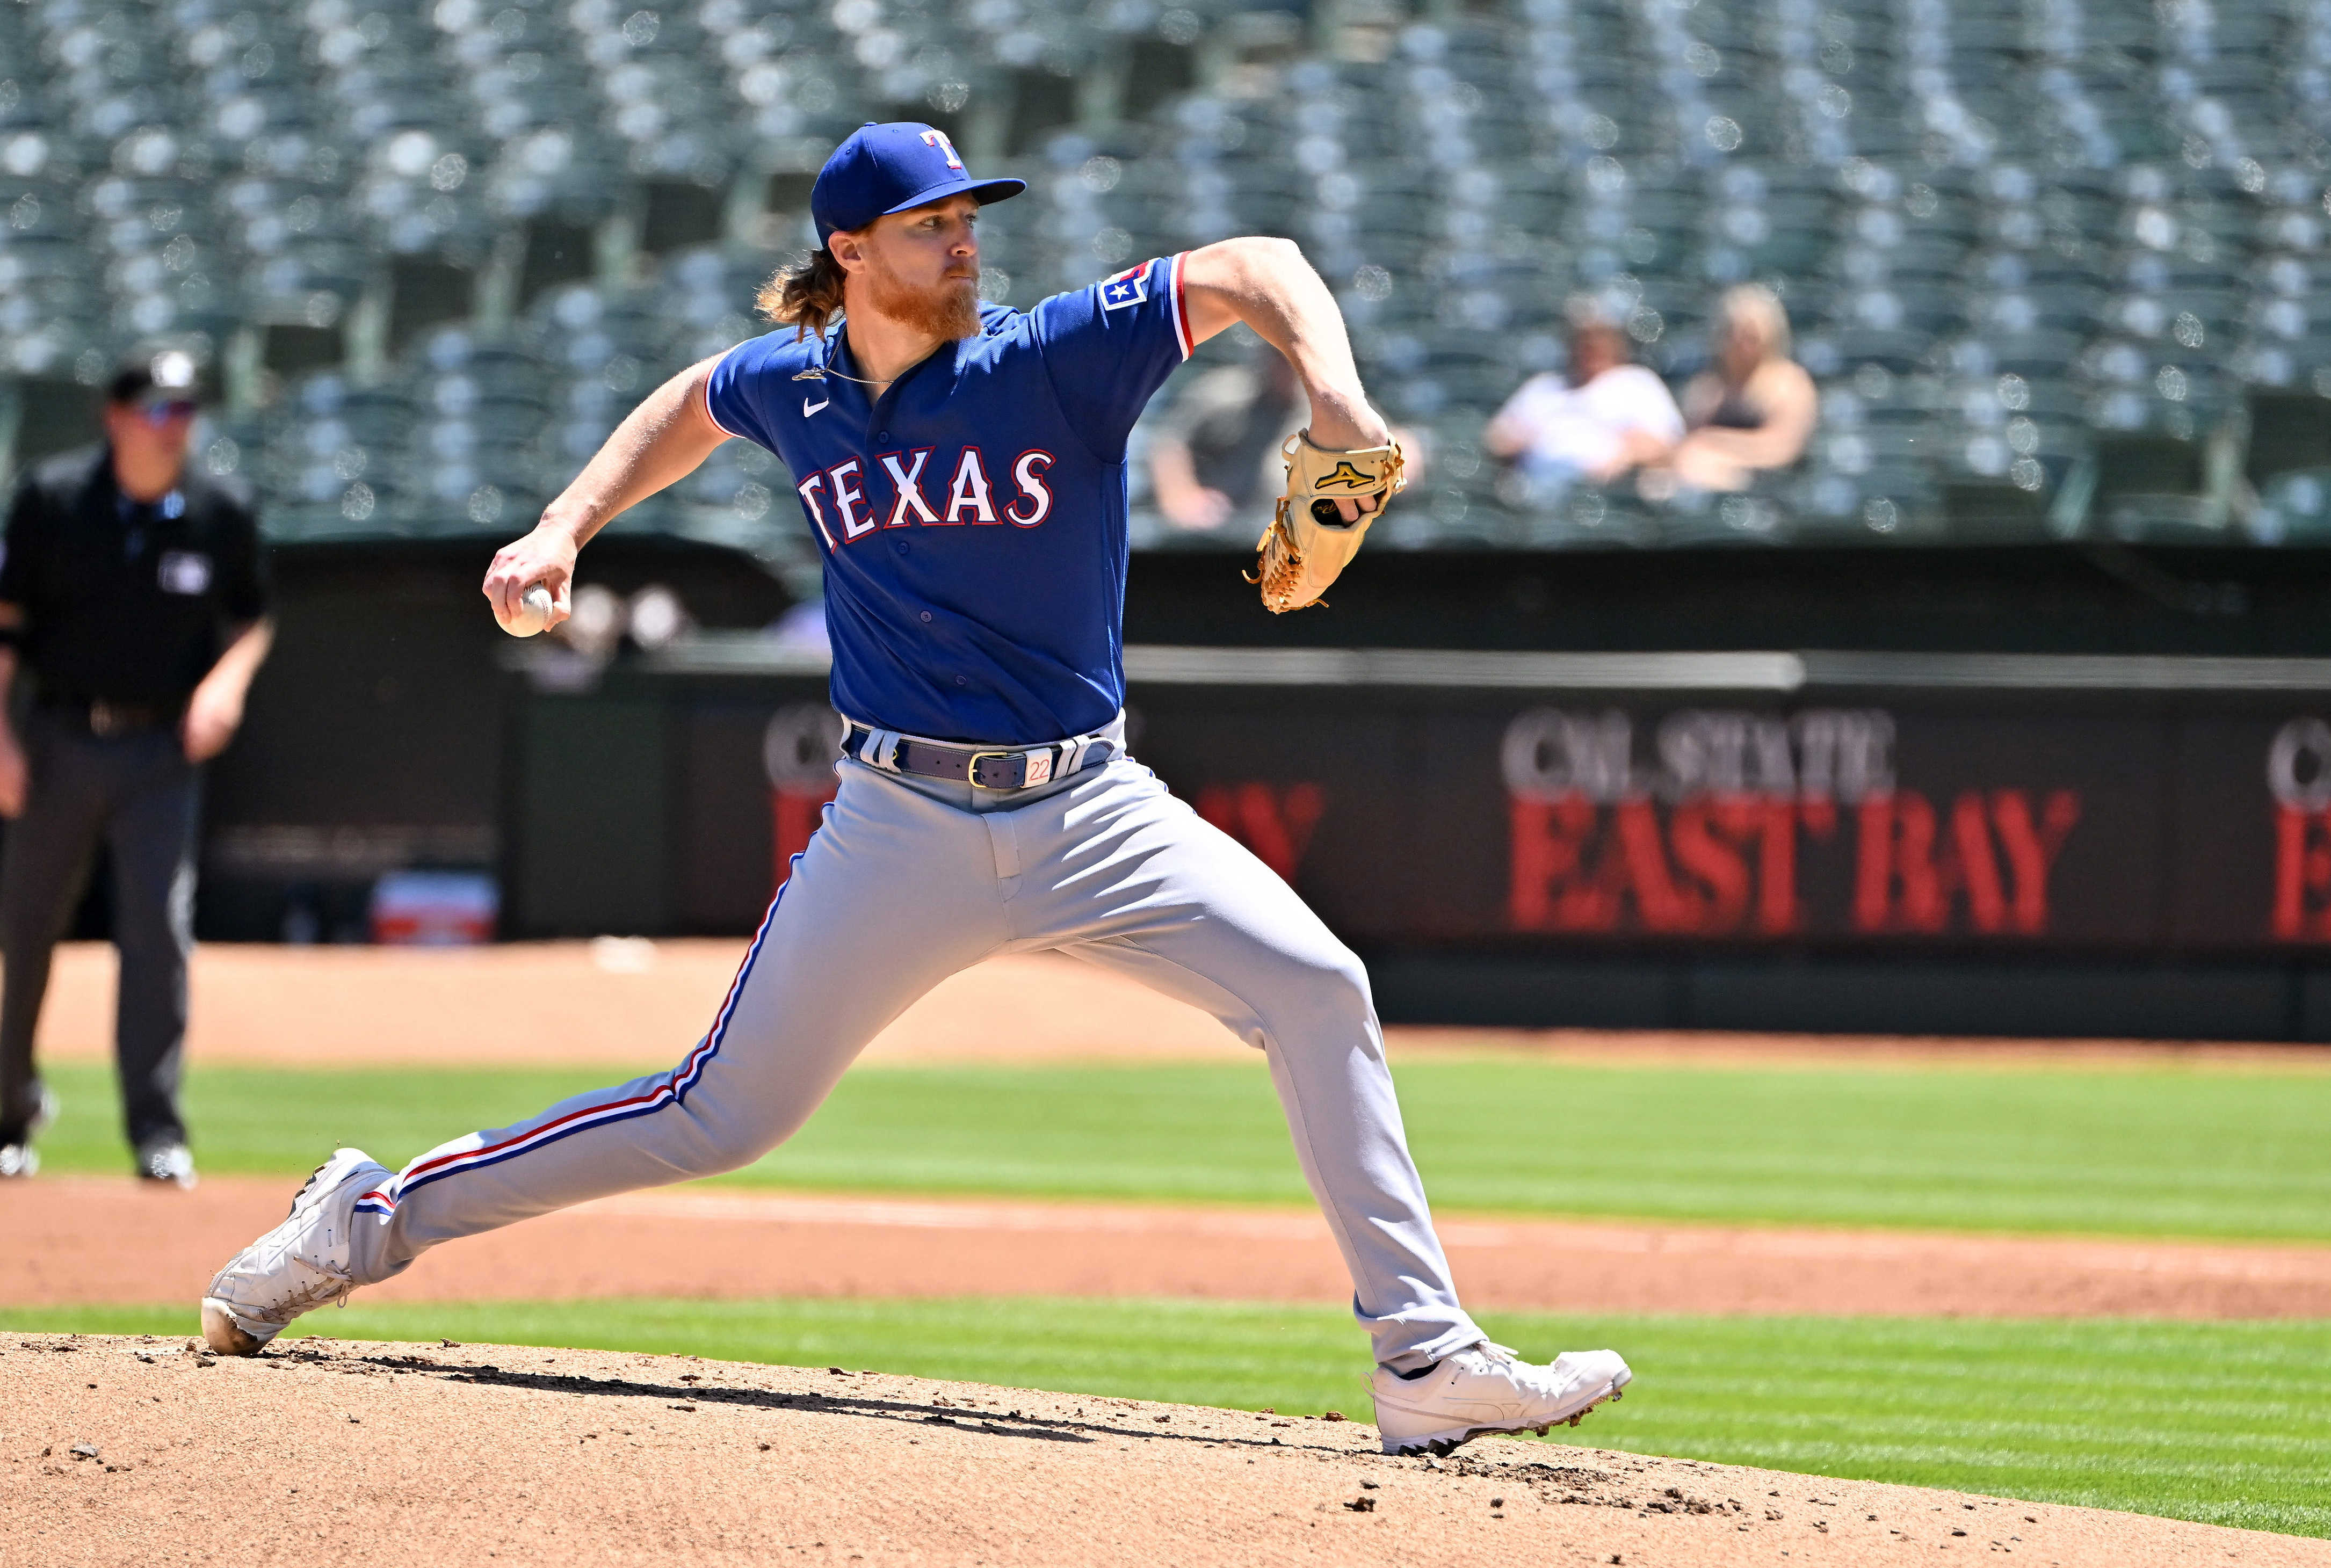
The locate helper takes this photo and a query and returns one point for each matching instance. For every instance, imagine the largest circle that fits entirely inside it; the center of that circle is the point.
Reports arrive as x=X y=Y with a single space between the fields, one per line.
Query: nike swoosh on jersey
x=809 y=408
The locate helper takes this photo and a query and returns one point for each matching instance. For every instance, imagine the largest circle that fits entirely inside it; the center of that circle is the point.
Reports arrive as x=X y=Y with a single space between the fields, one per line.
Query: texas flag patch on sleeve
x=1130 y=287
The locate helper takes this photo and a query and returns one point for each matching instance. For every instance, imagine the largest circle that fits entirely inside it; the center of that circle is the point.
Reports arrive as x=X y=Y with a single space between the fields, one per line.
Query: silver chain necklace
x=814 y=374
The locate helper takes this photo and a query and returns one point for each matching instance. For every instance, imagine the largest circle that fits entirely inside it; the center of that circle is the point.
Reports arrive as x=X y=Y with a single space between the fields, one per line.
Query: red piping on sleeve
x=1181 y=310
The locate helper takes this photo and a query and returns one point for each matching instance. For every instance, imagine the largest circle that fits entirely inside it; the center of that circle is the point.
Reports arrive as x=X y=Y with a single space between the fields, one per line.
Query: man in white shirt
x=1596 y=424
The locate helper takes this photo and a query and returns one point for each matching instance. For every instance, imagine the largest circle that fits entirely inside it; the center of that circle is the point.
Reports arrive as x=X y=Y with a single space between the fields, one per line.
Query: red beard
x=947 y=312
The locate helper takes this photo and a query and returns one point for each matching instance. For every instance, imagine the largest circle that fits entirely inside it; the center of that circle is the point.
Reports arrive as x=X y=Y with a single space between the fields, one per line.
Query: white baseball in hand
x=533 y=612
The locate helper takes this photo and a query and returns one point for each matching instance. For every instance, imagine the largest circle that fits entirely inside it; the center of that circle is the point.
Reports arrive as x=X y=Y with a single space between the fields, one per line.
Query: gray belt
x=1013 y=767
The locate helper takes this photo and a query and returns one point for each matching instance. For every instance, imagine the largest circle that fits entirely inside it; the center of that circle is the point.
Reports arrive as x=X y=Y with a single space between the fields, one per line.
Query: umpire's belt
x=982 y=767
x=105 y=720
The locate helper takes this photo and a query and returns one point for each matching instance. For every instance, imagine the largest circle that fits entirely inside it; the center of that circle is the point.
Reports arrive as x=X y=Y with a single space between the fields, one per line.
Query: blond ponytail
x=806 y=295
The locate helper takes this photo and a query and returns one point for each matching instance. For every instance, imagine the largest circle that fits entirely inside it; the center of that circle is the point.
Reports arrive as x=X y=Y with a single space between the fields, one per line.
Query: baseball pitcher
x=962 y=469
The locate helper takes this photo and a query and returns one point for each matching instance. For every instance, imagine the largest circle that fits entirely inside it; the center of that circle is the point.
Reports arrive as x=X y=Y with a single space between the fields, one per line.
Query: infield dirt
x=64 y=1240
x=638 y=1004
x=135 y=1451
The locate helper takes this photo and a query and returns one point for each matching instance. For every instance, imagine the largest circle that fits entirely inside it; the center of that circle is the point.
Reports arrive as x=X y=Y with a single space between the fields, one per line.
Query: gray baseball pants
x=139 y=796
x=909 y=880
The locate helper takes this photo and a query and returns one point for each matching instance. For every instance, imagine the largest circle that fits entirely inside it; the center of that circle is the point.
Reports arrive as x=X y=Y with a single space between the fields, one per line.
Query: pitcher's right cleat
x=1487 y=1390
x=301 y=1265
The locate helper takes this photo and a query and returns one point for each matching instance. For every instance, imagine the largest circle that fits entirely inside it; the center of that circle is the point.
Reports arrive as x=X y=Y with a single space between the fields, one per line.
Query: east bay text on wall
x=1735 y=823
x=1579 y=822
x=1571 y=822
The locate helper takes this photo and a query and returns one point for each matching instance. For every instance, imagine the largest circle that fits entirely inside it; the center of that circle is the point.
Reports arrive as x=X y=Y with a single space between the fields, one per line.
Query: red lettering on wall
x=2032 y=850
x=1726 y=865
x=1274 y=821
x=1709 y=836
x=1894 y=885
x=1906 y=880
x=2302 y=874
x=1643 y=861
x=1549 y=840
x=1978 y=870
x=1777 y=831
x=1719 y=865
x=795 y=817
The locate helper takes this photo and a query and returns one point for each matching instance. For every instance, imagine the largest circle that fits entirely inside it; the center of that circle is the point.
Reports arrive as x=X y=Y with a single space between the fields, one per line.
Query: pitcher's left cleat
x=301 y=1265
x=1486 y=1389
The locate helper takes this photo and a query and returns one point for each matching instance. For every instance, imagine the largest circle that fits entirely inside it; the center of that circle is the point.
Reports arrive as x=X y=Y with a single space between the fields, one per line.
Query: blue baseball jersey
x=971 y=517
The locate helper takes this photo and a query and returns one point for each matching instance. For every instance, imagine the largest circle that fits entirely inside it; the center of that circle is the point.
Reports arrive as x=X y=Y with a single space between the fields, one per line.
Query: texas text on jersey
x=973 y=516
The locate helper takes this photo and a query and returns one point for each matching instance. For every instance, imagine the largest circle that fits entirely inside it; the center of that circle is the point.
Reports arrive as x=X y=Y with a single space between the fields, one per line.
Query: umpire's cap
x=890 y=169
x=167 y=376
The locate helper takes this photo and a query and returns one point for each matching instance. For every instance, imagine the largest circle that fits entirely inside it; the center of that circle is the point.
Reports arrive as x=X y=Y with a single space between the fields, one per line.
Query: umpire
x=134 y=592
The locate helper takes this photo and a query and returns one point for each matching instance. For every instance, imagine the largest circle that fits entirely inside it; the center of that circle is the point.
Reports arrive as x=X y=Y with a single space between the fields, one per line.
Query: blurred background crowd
x=2048 y=269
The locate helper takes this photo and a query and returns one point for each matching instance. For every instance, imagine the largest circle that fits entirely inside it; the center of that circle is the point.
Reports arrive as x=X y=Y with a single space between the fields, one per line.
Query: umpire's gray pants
x=910 y=880
x=138 y=795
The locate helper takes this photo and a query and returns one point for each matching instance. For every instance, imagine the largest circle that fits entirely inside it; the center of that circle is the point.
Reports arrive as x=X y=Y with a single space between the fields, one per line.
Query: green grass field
x=2162 y=1152
x=2226 y=1424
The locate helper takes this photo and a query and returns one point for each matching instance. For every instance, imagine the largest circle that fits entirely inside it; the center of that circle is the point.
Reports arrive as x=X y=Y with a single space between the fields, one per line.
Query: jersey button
x=881 y=435
x=901 y=547
x=959 y=680
x=927 y=617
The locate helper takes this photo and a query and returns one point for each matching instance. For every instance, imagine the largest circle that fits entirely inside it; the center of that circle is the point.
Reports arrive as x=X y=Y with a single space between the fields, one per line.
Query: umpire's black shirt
x=123 y=601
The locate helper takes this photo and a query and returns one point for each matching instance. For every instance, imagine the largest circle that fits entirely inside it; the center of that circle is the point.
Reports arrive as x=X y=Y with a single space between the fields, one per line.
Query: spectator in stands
x=1753 y=408
x=1598 y=421
x=134 y=592
x=1214 y=457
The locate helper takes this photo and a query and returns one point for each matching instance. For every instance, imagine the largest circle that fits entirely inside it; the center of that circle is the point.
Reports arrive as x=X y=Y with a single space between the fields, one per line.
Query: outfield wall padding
x=1929 y=843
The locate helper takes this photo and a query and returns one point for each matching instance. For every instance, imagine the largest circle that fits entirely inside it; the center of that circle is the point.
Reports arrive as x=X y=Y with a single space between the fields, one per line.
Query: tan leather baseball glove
x=1309 y=543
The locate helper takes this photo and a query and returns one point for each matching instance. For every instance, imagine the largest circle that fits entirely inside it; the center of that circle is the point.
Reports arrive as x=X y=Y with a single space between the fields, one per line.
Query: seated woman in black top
x=1755 y=407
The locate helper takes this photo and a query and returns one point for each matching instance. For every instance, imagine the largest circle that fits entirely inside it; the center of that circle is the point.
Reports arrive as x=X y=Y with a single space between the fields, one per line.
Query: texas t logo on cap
x=894 y=167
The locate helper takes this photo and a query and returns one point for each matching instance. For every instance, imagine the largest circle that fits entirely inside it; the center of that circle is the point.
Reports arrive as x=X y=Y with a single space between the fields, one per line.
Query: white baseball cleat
x=301 y=1265
x=1487 y=1389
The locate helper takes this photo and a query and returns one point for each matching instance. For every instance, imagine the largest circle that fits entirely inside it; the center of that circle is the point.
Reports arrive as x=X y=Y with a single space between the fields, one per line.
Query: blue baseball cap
x=892 y=169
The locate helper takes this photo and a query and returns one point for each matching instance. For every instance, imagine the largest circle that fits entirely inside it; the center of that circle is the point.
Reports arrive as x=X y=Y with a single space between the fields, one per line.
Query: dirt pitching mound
x=139 y=1450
